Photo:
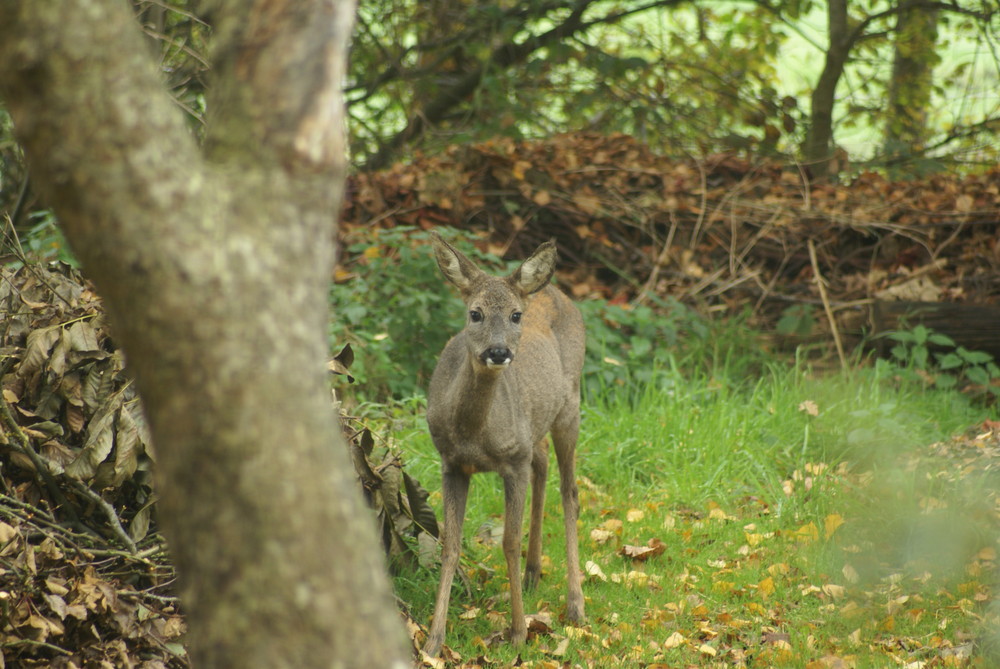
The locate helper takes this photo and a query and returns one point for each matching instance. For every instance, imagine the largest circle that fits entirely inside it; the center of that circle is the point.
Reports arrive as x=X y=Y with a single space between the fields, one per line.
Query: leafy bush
x=916 y=357
x=630 y=347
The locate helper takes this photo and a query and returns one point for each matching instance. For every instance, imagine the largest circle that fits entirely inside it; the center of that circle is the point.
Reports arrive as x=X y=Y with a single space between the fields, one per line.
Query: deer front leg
x=539 y=473
x=455 y=491
x=515 y=489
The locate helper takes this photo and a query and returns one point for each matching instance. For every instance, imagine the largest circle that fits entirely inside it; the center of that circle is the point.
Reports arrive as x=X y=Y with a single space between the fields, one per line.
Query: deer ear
x=535 y=272
x=458 y=269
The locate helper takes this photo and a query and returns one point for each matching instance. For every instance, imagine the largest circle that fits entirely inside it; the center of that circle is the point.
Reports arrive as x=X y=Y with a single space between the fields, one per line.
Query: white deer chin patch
x=498 y=365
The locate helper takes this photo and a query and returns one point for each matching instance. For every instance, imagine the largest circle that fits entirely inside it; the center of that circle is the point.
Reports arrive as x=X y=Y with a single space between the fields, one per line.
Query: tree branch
x=502 y=57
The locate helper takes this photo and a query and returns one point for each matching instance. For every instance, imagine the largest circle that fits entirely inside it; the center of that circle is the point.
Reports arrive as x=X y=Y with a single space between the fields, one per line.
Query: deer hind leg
x=515 y=490
x=564 y=437
x=539 y=473
x=455 y=491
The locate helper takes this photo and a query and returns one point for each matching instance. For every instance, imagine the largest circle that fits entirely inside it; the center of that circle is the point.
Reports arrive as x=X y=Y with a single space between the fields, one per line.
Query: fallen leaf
x=469 y=614
x=831 y=523
x=594 y=571
x=601 y=536
x=642 y=553
x=675 y=640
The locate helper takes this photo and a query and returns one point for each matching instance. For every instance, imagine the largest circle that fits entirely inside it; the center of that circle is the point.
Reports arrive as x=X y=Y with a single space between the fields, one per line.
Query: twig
x=821 y=284
x=109 y=511
x=32 y=642
x=661 y=260
x=23 y=444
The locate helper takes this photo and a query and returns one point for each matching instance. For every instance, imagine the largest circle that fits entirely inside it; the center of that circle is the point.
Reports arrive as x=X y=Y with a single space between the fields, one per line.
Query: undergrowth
x=785 y=518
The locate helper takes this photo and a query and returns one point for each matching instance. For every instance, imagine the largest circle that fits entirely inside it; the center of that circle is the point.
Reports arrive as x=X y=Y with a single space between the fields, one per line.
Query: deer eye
x=515 y=317
x=476 y=316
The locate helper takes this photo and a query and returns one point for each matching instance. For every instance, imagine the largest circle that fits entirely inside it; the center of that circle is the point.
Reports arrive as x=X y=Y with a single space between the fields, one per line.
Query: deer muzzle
x=497 y=356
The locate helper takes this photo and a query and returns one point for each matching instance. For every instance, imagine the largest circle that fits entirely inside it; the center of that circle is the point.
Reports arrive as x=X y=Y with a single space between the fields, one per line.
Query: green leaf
x=978 y=376
x=939 y=339
x=975 y=357
x=949 y=360
x=945 y=381
x=902 y=336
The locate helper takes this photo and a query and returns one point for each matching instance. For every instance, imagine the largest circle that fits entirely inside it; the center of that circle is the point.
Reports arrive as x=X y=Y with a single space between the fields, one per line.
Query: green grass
x=801 y=517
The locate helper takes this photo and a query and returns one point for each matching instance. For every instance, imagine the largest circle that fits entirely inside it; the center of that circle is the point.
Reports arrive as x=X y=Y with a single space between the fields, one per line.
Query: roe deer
x=511 y=376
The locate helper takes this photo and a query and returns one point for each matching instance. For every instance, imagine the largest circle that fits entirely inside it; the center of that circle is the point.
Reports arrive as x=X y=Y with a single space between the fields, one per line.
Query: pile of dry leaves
x=723 y=232
x=85 y=580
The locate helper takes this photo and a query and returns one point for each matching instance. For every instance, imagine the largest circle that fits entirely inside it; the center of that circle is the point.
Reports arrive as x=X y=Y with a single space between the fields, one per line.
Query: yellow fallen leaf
x=601 y=536
x=470 y=614
x=723 y=587
x=778 y=569
x=705 y=649
x=831 y=523
x=612 y=525
x=674 y=640
x=807 y=533
x=835 y=592
x=634 y=515
x=717 y=513
x=519 y=168
x=577 y=633
x=809 y=407
x=766 y=587
x=542 y=198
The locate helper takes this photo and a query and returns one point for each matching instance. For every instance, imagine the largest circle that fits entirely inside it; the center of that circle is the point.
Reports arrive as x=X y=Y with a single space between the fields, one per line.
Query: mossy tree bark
x=213 y=262
x=910 y=89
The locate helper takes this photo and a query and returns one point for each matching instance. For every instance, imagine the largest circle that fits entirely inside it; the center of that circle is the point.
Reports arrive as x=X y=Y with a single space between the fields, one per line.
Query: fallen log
x=974 y=326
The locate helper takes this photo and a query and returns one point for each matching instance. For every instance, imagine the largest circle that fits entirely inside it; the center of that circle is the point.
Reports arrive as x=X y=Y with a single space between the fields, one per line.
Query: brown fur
x=495 y=418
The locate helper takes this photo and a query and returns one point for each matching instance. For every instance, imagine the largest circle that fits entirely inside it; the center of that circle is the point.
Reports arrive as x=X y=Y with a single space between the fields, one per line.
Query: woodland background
x=806 y=165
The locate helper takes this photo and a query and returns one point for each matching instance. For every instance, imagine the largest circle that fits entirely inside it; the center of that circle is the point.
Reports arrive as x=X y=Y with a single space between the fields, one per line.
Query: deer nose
x=497 y=356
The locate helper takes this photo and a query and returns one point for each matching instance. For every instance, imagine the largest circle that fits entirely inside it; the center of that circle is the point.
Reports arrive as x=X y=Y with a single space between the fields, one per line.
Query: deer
x=504 y=382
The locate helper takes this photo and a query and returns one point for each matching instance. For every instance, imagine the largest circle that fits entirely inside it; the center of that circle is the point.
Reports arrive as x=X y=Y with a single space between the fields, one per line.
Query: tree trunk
x=914 y=58
x=818 y=149
x=214 y=266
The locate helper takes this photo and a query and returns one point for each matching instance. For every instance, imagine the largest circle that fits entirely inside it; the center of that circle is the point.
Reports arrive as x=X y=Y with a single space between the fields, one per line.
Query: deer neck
x=478 y=391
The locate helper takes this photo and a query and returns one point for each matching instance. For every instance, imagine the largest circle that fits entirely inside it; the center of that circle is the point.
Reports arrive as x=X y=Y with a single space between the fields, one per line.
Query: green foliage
x=684 y=78
x=797 y=319
x=44 y=241
x=630 y=347
x=918 y=354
